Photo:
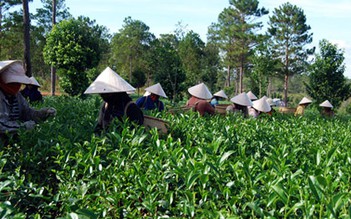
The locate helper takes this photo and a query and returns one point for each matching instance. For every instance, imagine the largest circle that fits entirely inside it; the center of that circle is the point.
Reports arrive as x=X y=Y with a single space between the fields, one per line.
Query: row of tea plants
x=205 y=167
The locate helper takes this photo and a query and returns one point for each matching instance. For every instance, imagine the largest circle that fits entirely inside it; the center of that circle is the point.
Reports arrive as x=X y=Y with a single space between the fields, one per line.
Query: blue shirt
x=214 y=102
x=146 y=103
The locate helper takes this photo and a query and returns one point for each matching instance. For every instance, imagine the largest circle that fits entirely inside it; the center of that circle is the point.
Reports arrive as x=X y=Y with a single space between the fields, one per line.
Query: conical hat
x=109 y=82
x=251 y=95
x=34 y=82
x=305 y=100
x=147 y=93
x=221 y=94
x=270 y=101
x=326 y=104
x=242 y=99
x=200 y=91
x=12 y=71
x=156 y=89
x=261 y=105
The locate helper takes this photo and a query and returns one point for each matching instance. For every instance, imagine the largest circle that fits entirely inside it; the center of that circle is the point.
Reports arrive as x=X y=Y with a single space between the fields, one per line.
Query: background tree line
x=237 y=56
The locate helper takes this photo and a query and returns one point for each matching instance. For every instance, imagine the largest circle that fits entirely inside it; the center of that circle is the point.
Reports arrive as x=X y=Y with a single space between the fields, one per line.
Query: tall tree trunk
x=0 y=31
x=228 y=77
x=130 y=69
x=269 y=87
x=53 y=69
x=241 y=73
x=26 y=39
x=286 y=77
x=286 y=80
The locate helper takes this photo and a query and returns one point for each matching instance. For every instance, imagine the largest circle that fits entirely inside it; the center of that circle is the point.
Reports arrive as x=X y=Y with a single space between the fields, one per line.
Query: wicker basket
x=287 y=110
x=221 y=108
x=152 y=122
x=181 y=109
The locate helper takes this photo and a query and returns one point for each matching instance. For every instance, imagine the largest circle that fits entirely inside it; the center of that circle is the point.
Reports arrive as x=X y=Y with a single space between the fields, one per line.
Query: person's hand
x=50 y=111
x=29 y=125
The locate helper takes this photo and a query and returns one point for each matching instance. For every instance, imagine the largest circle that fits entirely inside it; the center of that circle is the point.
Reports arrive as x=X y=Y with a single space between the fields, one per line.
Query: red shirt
x=200 y=105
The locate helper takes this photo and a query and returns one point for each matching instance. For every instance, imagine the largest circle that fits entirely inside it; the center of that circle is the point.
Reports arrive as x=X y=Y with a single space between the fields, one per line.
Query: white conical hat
x=147 y=93
x=221 y=93
x=242 y=99
x=34 y=82
x=12 y=71
x=326 y=104
x=156 y=89
x=109 y=82
x=261 y=105
x=270 y=101
x=305 y=100
x=200 y=91
x=251 y=95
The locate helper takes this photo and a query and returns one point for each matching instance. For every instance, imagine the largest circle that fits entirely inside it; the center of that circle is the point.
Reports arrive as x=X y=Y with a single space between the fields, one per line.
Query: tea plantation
x=205 y=167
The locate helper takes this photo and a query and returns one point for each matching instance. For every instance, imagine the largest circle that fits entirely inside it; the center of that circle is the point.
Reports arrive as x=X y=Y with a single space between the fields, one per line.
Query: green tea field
x=205 y=167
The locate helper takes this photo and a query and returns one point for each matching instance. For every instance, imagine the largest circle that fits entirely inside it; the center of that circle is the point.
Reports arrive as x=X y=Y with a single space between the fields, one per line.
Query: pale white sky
x=328 y=19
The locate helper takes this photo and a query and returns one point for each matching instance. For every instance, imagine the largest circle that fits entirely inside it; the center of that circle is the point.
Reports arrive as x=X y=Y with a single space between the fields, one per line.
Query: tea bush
x=205 y=167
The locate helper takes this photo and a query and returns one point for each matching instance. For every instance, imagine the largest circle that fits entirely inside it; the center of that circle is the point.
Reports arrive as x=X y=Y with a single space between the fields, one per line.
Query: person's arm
x=135 y=114
x=140 y=102
x=9 y=126
x=27 y=113
x=161 y=106
x=209 y=109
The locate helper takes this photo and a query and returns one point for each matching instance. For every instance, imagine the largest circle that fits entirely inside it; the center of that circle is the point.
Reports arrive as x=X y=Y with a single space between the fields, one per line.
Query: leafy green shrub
x=205 y=167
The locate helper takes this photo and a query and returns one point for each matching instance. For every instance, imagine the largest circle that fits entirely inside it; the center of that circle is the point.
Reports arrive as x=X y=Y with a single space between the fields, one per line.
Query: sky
x=329 y=19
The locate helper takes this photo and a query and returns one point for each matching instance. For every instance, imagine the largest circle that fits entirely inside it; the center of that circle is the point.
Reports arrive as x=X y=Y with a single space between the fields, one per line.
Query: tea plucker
x=31 y=91
x=14 y=109
x=199 y=99
x=259 y=106
x=151 y=100
x=252 y=96
x=300 y=110
x=217 y=97
x=116 y=102
x=327 y=109
x=241 y=102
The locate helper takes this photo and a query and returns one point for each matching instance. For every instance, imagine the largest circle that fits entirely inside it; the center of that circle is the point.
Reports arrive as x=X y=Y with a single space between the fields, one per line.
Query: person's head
x=109 y=84
x=114 y=97
x=12 y=76
x=220 y=95
x=155 y=92
x=154 y=97
x=200 y=91
x=305 y=102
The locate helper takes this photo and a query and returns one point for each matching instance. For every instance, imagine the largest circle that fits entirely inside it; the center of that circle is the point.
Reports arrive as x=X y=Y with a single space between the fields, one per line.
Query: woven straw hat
x=200 y=91
x=109 y=82
x=12 y=71
x=261 y=105
x=34 y=82
x=221 y=93
x=251 y=95
x=326 y=104
x=156 y=89
x=305 y=100
x=242 y=99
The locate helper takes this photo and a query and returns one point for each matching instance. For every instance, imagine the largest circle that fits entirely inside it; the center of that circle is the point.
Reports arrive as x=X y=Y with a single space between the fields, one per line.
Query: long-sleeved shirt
x=147 y=103
x=201 y=106
x=14 y=110
x=109 y=111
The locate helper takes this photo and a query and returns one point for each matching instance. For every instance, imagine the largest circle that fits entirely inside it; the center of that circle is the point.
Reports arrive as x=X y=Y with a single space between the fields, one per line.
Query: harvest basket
x=221 y=108
x=287 y=110
x=181 y=109
x=152 y=122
